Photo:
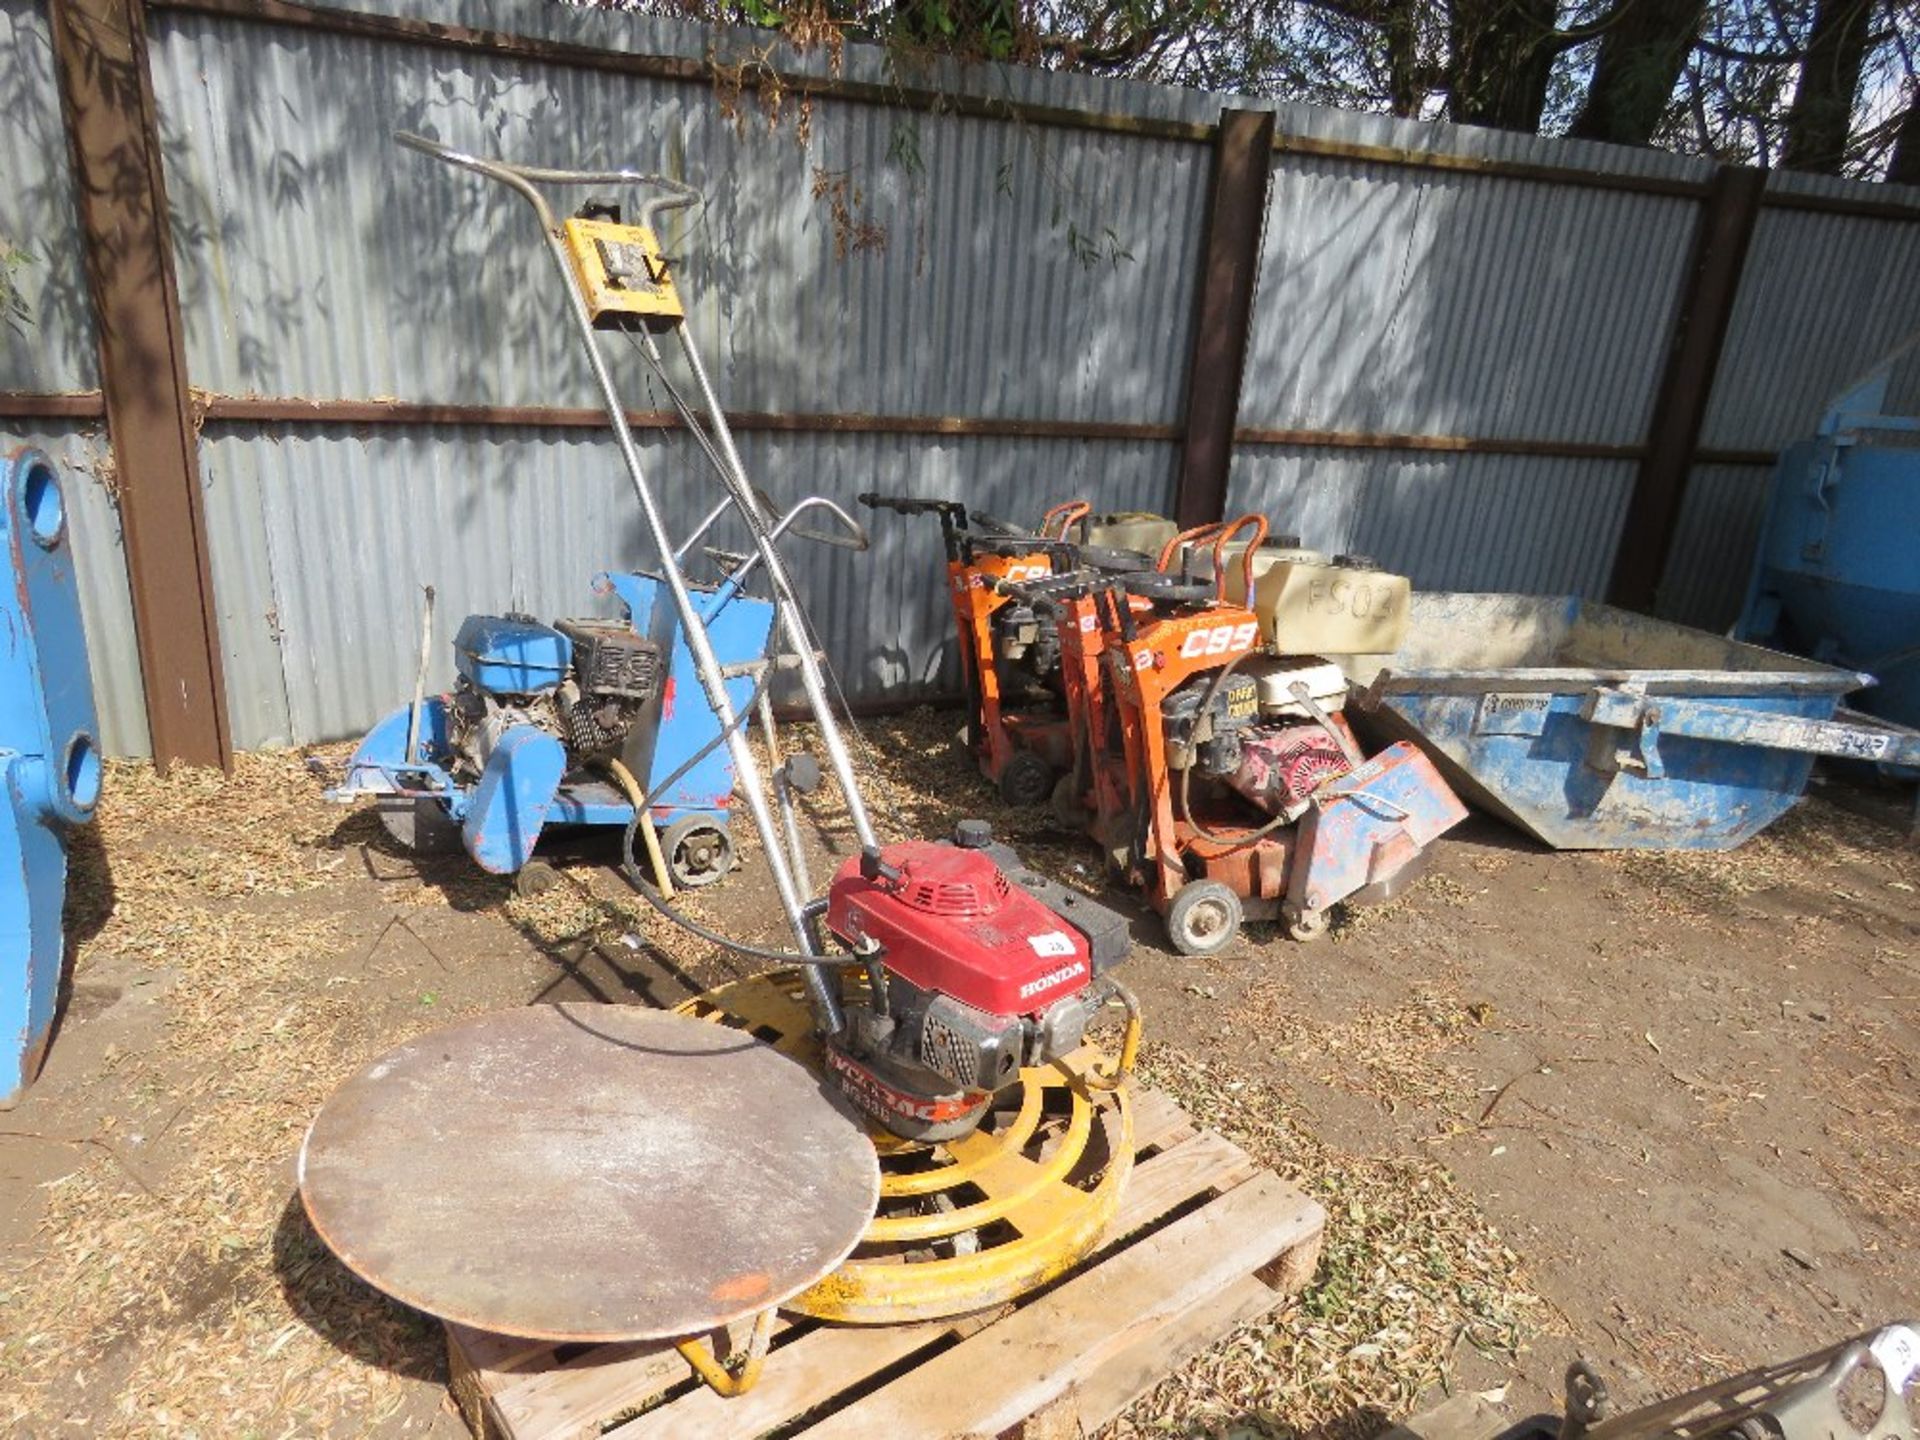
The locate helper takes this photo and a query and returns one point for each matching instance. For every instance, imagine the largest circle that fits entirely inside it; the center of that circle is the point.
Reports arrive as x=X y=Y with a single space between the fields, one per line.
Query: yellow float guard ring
x=968 y=1223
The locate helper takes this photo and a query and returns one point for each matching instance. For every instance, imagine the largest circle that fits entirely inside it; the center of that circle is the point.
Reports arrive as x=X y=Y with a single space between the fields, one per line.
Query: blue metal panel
x=88 y=482
x=505 y=655
x=593 y=803
x=379 y=765
x=1366 y=827
x=1837 y=576
x=508 y=808
x=738 y=627
x=1593 y=729
x=49 y=755
x=1711 y=796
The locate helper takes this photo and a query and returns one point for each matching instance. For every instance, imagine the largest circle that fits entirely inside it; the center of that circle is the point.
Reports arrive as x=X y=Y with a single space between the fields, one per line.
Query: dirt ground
x=1654 y=1109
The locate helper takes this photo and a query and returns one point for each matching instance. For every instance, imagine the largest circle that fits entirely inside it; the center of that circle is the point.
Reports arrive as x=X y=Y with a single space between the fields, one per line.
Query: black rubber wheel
x=419 y=824
x=698 y=852
x=1027 y=780
x=536 y=877
x=1203 y=918
x=1588 y=1402
x=1306 y=926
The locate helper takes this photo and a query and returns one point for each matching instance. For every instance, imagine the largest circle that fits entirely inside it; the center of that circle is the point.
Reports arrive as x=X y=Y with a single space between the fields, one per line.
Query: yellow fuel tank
x=1310 y=604
x=1130 y=530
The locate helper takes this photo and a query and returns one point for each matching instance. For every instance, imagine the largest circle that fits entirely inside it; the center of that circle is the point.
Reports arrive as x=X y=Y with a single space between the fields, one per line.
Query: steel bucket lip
x=1772 y=672
x=1556 y=680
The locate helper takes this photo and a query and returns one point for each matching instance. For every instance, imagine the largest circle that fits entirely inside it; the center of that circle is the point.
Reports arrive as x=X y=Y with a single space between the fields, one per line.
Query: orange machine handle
x=1172 y=547
x=1227 y=532
x=1070 y=512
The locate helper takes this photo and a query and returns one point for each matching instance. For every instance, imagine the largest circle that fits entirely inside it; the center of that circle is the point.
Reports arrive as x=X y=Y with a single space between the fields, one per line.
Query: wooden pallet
x=1204 y=1241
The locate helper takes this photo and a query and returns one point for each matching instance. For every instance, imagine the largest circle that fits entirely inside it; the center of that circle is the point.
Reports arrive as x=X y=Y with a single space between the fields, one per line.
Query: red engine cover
x=955 y=926
x=1281 y=766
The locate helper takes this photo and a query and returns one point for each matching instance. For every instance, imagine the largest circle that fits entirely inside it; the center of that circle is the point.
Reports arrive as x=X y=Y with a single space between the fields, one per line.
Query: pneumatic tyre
x=1203 y=918
x=1027 y=780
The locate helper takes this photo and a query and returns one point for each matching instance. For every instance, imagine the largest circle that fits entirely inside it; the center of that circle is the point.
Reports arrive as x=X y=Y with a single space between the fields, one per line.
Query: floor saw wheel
x=967 y=1223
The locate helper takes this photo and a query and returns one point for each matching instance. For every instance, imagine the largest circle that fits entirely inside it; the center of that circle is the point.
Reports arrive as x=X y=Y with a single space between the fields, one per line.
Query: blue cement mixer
x=1837 y=577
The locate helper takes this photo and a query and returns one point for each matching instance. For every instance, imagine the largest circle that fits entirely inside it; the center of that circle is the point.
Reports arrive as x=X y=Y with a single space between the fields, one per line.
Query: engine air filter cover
x=611 y=659
x=1275 y=677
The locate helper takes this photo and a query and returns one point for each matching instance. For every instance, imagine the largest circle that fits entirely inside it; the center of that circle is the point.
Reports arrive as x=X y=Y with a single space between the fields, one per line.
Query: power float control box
x=623 y=275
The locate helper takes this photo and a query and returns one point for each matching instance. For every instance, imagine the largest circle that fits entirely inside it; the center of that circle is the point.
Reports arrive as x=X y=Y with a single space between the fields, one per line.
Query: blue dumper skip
x=49 y=756
x=1837 y=576
x=1592 y=728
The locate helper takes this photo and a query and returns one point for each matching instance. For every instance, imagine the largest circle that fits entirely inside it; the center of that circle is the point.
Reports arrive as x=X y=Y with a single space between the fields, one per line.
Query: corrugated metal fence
x=1823 y=296
x=1449 y=369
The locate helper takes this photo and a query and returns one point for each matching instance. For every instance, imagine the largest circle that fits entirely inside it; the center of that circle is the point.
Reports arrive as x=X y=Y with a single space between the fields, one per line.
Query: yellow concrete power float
x=935 y=1006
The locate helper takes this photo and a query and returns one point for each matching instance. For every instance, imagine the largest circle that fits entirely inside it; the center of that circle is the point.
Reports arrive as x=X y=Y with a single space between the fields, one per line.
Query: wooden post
x=1242 y=158
x=1686 y=385
x=106 y=92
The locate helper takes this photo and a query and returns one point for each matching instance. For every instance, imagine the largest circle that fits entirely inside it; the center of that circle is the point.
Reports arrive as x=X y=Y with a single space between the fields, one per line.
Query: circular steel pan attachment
x=588 y=1173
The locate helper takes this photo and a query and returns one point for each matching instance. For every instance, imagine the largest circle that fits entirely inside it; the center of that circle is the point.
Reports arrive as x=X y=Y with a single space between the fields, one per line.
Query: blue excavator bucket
x=49 y=756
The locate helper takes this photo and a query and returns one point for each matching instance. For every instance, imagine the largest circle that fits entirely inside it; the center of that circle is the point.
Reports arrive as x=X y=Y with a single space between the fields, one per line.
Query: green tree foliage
x=1827 y=85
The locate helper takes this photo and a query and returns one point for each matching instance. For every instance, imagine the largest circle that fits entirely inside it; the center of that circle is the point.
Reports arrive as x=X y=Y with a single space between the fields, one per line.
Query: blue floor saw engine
x=567 y=725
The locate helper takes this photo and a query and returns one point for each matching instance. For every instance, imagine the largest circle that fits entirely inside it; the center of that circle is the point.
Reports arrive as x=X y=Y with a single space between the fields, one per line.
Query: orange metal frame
x=999 y=731
x=1121 y=665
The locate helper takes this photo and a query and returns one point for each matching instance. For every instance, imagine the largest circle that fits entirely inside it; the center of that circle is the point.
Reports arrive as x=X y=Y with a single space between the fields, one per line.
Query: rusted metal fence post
x=106 y=92
x=1720 y=243
x=1223 y=316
